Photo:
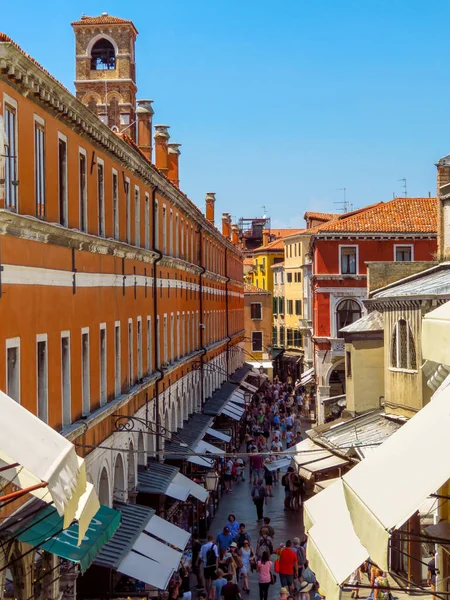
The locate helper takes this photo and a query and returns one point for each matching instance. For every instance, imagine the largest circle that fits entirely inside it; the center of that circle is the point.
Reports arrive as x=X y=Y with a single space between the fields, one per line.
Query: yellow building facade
x=264 y=258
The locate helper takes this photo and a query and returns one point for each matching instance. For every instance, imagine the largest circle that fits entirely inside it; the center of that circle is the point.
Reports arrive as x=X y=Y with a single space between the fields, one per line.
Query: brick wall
x=380 y=274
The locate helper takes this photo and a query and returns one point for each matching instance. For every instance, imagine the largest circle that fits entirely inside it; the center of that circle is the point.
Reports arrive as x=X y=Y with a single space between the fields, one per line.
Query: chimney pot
x=226 y=231
x=266 y=238
x=144 y=114
x=161 y=150
x=235 y=234
x=210 y=200
x=173 y=163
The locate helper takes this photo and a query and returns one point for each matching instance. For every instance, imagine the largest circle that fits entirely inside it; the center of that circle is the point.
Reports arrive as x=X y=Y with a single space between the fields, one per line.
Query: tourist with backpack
x=209 y=556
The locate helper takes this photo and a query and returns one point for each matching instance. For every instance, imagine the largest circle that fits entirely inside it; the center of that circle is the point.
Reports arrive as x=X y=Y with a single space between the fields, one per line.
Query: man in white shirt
x=209 y=564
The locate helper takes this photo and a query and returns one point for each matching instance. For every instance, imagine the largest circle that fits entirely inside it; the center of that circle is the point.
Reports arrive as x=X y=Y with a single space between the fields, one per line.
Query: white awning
x=281 y=463
x=158 y=551
x=179 y=492
x=237 y=398
x=306 y=377
x=249 y=387
x=218 y=434
x=43 y=455
x=231 y=414
x=321 y=485
x=319 y=466
x=169 y=533
x=239 y=410
x=436 y=326
x=311 y=459
x=203 y=446
x=194 y=489
x=201 y=461
x=143 y=569
x=334 y=557
x=378 y=509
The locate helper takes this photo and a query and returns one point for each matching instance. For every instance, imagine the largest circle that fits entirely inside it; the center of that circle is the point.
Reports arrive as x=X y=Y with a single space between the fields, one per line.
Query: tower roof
x=104 y=19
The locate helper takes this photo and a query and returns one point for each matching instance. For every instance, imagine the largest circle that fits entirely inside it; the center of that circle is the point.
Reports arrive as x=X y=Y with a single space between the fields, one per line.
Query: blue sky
x=279 y=103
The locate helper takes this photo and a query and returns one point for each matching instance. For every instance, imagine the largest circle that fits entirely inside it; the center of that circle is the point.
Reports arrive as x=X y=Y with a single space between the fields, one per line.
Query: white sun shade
x=144 y=569
x=169 y=533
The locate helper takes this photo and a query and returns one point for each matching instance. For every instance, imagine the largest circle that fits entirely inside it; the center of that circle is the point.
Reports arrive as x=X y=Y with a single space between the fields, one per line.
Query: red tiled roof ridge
x=310 y=214
x=103 y=19
x=249 y=288
x=400 y=215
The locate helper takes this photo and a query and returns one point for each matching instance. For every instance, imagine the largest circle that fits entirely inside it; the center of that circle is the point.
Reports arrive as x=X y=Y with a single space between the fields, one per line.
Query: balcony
x=337 y=346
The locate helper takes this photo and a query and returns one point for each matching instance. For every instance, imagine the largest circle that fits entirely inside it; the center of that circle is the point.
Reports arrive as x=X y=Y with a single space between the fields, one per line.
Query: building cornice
x=349 y=235
x=405 y=302
x=32 y=81
x=338 y=276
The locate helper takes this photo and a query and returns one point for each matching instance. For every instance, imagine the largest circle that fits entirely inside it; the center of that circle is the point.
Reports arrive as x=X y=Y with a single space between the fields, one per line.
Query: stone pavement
x=287 y=524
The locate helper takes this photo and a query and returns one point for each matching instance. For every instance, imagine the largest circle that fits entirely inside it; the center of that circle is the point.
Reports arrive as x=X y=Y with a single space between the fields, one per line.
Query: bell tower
x=106 y=69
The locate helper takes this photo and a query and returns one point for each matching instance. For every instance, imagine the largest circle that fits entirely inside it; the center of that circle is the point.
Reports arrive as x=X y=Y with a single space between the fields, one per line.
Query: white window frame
x=137 y=216
x=116 y=203
x=156 y=224
x=12 y=203
x=261 y=311
x=149 y=345
x=101 y=229
x=130 y=336
x=40 y=338
x=128 y=209
x=64 y=218
x=66 y=383
x=139 y=347
x=341 y=246
x=117 y=360
x=40 y=189
x=262 y=341
x=178 y=336
x=83 y=194
x=86 y=377
x=147 y=220
x=400 y=247
x=409 y=336
x=13 y=343
x=103 y=367
x=183 y=333
x=158 y=345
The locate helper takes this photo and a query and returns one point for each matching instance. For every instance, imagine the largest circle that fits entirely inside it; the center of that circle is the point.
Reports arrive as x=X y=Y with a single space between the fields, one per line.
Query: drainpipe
x=202 y=329
x=156 y=332
x=226 y=313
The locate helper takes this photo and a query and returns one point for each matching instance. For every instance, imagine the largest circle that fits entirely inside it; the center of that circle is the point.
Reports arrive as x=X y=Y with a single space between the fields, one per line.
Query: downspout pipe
x=156 y=332
x=226 y=313
x=201 y=325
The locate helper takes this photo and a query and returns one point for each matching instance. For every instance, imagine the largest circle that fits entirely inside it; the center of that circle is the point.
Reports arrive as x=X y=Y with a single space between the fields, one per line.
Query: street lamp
x=212 y=481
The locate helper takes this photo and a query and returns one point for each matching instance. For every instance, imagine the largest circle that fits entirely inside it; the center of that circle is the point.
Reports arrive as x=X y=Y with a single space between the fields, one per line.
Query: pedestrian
x=209 y=556
x=232 y=525
x=247 y=555
x=196 y=561
x=228 y=476
x=301 y=555
x=240 y=469
x=256 y=466
x=264 y=567
x=265 y=543
x=309 y=577
x=185 y=587
x=431 y=572
x=381 y=586
x=287 y=565
x=174 y=589
x=259 y=495
x=224 y=538
x=283 y=594
x=268 y=480
x=270 y=530
x=287 y=484
x=223 y=559
x=242 y=536
x=230 y=591
x=355 y=581
x=218 y=585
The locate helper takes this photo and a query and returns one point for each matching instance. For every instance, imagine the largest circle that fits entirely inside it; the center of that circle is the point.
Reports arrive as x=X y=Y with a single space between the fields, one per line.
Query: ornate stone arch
x=119 y=489
x=104 y=487
x=102 y=36
x=131 y=467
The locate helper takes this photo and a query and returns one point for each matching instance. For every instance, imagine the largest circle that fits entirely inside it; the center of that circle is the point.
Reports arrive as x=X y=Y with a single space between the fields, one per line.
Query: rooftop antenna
x=264 y=211
x=404 y=186
x=344 y=203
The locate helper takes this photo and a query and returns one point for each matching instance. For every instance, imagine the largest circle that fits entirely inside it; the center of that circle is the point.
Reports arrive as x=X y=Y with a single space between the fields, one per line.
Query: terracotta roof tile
x=252 y=289
x=401 y=215
x=280 y=233
x=103 y=19
x=319 y=216
x=276 y=245
x=248 y=261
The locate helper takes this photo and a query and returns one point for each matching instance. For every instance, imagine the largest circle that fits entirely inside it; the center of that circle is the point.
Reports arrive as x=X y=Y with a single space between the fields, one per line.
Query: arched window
x=403 y=347
x=347 y=312
x=103 y=57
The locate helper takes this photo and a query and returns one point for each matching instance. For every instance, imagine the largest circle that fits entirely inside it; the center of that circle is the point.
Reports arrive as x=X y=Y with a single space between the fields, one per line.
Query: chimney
x=226 y=232
x=172 y=158
x=161 y=152
x=266 y=238
x=210 y=200
x=235 y=234
x=144 y=114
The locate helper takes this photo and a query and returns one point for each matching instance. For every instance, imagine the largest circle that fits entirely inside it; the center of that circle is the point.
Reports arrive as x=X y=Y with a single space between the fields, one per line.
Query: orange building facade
x=115 y=290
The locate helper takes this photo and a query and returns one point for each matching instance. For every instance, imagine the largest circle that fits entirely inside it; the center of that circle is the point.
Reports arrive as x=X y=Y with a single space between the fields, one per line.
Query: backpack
x=301 y=555
x=284 y=480
x=211 y=557
x=233 y=470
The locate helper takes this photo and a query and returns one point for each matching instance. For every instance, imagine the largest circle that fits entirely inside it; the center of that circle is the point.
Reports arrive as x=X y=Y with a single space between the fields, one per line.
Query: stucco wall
x=365 y=386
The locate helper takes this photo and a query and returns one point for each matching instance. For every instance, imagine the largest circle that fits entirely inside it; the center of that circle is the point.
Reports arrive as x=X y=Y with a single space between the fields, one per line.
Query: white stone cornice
x=339 y=277
x=30 y=76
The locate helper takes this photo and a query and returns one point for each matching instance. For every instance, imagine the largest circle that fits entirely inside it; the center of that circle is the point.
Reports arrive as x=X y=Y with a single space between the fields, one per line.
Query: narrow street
x=287 y=524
